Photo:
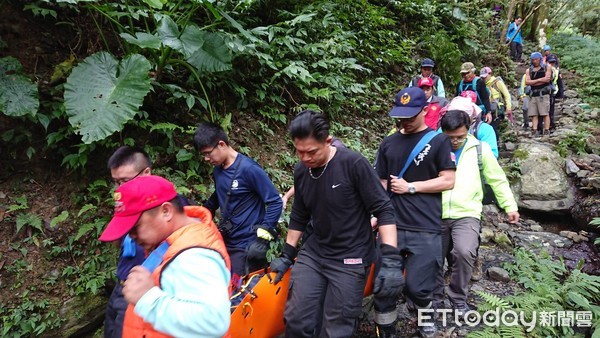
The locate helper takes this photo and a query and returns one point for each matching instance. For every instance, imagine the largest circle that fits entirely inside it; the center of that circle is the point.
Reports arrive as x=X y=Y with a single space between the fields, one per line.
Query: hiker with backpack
x=500 y=100
x=415 y=165
x=539 y=77
x=427 y=73
x=476 y=168
x=249 y=202
x=471 y=82
x=481 y=130
x=552 y=60
x=434 y=103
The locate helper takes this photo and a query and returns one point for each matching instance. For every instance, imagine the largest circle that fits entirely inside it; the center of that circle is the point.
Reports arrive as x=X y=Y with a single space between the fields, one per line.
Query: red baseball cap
x=132 y=199
x=425 y=81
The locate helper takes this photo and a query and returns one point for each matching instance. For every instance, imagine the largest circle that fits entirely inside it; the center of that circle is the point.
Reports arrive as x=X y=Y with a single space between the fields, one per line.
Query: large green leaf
x=168 y=32
x=143 y=40
x=101 y=94
x=213 y=56
x=18 y=95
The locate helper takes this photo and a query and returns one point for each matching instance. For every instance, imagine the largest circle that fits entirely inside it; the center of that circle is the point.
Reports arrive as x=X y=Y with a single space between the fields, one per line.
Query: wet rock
x=582 y=173
x=510 y=146
x=486 y=235
x=594 y=182
x=569 y=93
x=585 y=210
x=570 y=167
x=477 y=288
x=567 y=234
x=584 y=254
x=535 y=241
x=2 y=195
x=83 y=313
x=593 y=157
x=498 y=274
x=544 y=184
x=579 y=238
x=536 y=227
x=502 y=240
x=503 y=226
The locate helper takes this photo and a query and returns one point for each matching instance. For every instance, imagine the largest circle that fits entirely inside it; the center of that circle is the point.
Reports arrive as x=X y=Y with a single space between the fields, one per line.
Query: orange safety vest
x=197 y=235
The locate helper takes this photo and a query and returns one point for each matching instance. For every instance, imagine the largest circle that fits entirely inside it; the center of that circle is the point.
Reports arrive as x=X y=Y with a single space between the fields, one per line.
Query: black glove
x=281 y=264
x=257 y=251
x=389 y=281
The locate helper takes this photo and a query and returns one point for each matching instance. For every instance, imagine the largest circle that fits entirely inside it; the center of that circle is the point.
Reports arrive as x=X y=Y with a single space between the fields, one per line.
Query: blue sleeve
x=191 y=302
x=269 y=195
x=487 y=134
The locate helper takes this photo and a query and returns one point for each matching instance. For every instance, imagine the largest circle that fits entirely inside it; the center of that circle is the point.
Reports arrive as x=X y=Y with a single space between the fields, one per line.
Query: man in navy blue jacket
x=249 y=202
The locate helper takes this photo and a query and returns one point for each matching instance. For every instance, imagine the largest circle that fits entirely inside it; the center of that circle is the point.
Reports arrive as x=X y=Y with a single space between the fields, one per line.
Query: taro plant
x=103 y=93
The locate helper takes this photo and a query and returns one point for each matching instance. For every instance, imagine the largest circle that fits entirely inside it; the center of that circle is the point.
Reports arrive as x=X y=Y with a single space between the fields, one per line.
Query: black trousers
x=422 y=252
x=516 y=49
x=324 y=299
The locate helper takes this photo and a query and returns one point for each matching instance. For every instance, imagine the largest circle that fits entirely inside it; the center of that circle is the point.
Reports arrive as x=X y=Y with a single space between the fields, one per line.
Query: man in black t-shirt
x=417 y=199
x=339 y=190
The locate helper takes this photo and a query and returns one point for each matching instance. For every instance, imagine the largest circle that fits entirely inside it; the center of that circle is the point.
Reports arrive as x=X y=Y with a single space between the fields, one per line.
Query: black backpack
x=488 y=193
x=435 y=78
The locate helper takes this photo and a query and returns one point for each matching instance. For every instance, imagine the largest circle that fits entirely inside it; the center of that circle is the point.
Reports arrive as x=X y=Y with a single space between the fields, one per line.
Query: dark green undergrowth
x=158 y=69
x=580 y=54
x=548 y=287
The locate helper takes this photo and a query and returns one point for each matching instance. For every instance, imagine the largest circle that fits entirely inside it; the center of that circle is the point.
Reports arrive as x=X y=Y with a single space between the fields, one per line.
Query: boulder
x=544 y=185
x=498 y=274
x=569 y=93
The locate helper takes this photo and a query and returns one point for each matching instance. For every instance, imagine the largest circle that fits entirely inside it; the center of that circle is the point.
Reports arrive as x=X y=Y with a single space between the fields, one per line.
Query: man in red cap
x=434 y=103
x=169 y=295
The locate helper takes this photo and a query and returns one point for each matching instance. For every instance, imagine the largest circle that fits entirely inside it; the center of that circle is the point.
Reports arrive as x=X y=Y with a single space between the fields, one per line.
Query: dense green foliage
x=163 y=66
x=580 y=54
x=549 y=286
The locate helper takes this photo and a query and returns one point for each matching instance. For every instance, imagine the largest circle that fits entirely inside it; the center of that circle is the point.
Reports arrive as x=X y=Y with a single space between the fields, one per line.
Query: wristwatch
x=411 y=189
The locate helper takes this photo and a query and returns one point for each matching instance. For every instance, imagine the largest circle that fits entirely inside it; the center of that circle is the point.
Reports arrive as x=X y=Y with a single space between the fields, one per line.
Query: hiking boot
x=477 y=270
x=386 y=331
x=426 y=321
x=428 y=330
x=460 y=309
x=546 y=132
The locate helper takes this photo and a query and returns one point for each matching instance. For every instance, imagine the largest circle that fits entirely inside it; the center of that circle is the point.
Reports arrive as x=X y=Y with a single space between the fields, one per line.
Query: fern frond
x=493 y=300
x=516 y=331
x=488 y=332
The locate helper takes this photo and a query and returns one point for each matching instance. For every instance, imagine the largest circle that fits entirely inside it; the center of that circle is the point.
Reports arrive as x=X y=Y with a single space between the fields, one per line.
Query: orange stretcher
x=260 y=313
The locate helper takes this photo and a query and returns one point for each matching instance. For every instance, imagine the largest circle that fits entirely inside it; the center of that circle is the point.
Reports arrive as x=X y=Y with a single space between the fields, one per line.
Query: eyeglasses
x=121 y=181
x=457 y=139
x=208 y=153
